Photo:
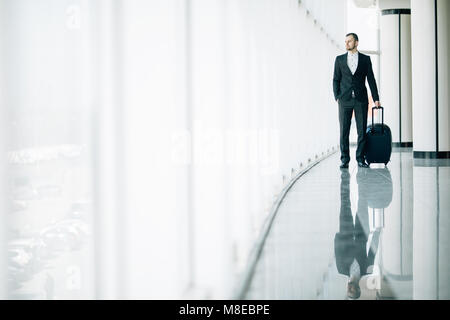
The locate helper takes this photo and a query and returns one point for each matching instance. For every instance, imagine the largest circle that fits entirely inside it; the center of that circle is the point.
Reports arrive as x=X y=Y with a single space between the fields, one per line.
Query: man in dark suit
x=349 y=86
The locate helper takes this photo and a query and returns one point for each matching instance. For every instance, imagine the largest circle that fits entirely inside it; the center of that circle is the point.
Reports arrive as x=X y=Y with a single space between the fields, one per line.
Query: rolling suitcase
x=378 y=147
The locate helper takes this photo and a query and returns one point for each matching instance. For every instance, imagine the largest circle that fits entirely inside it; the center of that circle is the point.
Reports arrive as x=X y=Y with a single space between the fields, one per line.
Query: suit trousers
x=346 y=109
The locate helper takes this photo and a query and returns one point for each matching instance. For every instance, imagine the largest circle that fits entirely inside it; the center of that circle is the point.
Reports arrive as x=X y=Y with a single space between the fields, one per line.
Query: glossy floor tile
x=378 y=233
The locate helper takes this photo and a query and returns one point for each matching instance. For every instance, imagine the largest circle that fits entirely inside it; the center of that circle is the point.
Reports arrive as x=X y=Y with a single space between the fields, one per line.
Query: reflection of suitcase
x=379 y=191
x=378 y=147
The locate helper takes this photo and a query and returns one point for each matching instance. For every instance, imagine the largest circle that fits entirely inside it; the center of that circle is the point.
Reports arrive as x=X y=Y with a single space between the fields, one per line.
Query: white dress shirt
x=352 y=62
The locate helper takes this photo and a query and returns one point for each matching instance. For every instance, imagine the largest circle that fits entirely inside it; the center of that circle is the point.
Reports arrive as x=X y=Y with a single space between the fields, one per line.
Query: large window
x=146 y=140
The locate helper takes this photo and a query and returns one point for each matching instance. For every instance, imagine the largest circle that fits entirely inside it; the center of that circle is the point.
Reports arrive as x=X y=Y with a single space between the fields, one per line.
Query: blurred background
x=146 y=140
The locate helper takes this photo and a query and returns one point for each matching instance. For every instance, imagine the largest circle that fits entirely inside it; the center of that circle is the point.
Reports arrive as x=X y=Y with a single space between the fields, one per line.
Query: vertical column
x=110 y=224
x=430 y=61
x=158 y=149
x=430 y=73
x=395 y=84
x=443 y=65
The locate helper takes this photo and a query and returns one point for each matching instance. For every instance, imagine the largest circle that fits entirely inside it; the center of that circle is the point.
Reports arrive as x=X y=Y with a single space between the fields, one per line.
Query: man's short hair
x=354 y=35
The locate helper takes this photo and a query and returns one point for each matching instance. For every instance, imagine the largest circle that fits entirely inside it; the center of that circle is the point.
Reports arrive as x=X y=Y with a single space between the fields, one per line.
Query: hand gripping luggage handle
x=382 y=117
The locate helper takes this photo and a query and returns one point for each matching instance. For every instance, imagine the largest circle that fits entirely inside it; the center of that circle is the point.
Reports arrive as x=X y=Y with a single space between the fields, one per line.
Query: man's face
x=350 y=43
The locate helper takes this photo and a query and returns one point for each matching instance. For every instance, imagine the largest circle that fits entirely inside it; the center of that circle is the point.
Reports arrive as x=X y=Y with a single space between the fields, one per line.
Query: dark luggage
x=378 y=147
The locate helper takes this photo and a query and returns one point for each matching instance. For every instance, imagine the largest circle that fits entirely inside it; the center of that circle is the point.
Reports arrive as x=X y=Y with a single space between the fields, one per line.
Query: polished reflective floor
x=378 y=233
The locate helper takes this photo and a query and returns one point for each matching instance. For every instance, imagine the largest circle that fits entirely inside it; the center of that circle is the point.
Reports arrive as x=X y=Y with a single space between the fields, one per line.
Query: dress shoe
x=343 y=166
x=363 y=164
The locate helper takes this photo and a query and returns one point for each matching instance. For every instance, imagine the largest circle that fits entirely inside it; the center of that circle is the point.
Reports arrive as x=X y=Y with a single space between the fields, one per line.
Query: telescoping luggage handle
x=382 y=117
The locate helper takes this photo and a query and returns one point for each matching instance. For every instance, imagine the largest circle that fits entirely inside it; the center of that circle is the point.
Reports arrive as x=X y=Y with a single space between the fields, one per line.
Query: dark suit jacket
x=352 y=245
x=344 y=82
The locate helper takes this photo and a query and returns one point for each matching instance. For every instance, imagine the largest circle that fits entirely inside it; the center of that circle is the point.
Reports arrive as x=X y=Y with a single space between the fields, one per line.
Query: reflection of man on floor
x=350 y=242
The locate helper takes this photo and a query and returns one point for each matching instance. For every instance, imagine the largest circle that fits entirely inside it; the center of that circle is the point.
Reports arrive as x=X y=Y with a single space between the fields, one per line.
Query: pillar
x=395 y=64
x=430 y=35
